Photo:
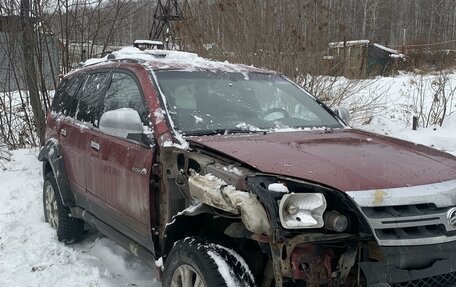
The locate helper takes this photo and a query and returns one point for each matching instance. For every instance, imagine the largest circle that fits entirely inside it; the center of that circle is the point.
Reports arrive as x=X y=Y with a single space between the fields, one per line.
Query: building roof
x=348 y=43
x=362 y=43
x=386 y=49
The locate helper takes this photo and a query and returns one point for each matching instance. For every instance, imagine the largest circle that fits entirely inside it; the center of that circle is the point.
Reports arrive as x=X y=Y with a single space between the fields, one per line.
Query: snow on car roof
x=168 y=60
x=150 y=42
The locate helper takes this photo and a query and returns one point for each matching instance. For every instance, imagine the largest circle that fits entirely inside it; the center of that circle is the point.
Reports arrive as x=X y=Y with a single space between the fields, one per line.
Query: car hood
x=347 y=159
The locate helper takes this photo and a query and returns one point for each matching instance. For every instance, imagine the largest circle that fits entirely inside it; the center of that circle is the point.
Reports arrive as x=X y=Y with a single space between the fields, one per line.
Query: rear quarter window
x=64 y=99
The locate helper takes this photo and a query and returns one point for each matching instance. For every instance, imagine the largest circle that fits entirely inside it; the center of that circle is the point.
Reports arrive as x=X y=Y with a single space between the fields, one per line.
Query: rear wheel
x=195 y=262
x=69 y=229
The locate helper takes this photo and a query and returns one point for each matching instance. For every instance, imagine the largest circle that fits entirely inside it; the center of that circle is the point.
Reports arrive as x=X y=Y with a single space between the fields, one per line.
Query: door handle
x=63 y=132
x=94 y=145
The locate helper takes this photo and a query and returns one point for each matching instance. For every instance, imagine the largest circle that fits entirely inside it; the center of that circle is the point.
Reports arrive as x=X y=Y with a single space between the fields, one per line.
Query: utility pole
x=166 y=13
x=403 y=38
x=30 y=72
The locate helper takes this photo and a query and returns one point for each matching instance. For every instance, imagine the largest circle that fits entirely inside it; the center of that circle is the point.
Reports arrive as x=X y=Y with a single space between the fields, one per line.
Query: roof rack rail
x=148 y=45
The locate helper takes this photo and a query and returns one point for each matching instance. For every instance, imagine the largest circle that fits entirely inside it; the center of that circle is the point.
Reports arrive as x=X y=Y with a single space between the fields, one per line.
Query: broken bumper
x=430 y=265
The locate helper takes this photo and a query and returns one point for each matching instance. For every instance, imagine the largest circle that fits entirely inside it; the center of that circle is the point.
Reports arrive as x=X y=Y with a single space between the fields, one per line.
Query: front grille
x=392 y=224
x=416 y=215
x=443 y=280
x=411 y=233
x=402 y=210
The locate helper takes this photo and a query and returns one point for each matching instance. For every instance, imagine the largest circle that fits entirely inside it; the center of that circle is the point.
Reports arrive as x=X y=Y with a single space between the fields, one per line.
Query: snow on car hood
x=347 y=160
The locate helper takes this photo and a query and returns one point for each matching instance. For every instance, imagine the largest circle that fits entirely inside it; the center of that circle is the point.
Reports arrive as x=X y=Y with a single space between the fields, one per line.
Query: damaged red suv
x=235 y=176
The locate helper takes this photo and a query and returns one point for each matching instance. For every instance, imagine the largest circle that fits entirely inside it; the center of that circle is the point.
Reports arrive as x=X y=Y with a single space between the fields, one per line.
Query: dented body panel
x=327 y=157
x=215 y=192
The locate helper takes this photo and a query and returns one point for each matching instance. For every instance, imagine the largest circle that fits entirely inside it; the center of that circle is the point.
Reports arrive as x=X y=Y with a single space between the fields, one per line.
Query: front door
x=119 y=172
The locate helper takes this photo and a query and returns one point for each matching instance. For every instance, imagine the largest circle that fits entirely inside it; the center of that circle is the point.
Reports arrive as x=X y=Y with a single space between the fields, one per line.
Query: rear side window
x=124 y=92
x=64 y=102
x=89 y=97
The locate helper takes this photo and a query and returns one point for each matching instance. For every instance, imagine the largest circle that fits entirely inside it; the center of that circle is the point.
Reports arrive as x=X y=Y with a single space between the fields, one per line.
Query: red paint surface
x=109 y=176
x=347 y=160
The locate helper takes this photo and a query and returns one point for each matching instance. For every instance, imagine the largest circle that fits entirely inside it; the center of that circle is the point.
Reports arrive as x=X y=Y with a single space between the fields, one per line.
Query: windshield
x=206 y=102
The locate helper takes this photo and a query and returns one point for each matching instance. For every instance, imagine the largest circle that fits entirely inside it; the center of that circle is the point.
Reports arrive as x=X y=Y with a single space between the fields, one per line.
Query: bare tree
x=28 y=50
x=290 y=36
x=433 y=109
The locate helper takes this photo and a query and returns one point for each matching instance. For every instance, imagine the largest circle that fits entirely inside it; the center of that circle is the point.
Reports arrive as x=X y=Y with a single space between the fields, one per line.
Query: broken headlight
x=302 y=210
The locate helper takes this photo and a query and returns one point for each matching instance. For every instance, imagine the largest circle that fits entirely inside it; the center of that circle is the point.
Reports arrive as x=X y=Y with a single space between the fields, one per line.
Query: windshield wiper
x=222 y=132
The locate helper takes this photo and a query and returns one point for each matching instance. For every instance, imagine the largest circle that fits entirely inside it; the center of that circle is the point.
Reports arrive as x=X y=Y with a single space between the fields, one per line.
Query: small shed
x=361 y=58
x=10 y=24
x=12 y=59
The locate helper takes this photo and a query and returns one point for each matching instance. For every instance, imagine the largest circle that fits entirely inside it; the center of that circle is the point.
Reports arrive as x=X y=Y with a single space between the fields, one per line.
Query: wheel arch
x=200 y=221
x=47 y=168
x=52 y=159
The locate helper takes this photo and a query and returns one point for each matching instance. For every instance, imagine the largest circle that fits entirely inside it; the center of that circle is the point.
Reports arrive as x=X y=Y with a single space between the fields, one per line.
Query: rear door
x=84 y=112
x=70 y=134
x=119 y=171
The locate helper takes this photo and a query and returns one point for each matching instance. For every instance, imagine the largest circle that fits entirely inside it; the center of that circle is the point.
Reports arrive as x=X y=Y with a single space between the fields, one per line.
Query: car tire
x=69 y=229
x=205 y=264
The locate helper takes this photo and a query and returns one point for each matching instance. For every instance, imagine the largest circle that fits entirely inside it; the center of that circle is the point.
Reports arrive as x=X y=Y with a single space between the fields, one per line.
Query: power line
x=424 y=45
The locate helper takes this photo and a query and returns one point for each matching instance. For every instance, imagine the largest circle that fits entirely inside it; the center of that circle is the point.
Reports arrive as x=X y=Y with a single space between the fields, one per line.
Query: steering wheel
x=269 y=114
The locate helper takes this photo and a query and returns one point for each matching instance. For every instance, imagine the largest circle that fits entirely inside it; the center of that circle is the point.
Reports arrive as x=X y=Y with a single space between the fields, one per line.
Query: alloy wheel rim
x=186 y=276
x=51 y=207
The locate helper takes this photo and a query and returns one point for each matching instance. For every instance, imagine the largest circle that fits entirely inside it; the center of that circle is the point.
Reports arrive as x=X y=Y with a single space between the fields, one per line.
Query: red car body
x=142 y=194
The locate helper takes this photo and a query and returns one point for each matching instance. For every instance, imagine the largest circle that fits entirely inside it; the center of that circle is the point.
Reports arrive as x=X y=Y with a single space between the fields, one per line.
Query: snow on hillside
x=386 y=105
x=442 y=138
x=30 y=254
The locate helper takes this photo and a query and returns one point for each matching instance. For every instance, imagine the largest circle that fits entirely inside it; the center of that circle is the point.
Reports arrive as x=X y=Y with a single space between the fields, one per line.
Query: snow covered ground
x=30 y=254
x=442 y=138
x=398 y=99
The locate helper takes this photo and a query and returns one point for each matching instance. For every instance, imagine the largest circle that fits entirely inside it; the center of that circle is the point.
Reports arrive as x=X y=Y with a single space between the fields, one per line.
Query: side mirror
x=344 y=114
x=123 y=123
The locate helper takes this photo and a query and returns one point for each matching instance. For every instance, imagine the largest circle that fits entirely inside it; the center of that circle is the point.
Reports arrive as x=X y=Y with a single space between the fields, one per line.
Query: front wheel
x=69 y=229
x=195 y=262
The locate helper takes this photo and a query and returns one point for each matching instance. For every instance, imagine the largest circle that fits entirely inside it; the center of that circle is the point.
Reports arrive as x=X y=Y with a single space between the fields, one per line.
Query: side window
x=89 y=97
x=63 y=101
x=124 y=92
x=57 y=101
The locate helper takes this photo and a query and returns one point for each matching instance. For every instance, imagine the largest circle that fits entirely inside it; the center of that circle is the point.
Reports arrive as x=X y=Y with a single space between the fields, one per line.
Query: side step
x=127 y=243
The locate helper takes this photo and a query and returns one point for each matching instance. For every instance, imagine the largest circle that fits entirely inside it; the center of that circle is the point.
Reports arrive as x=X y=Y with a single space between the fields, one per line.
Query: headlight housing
x=302 y=210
